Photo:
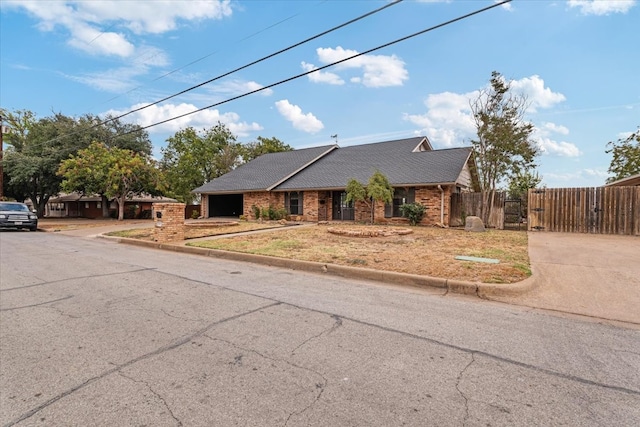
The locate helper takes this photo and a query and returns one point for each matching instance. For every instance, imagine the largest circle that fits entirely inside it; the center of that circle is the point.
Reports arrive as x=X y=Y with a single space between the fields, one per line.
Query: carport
x=225 y=205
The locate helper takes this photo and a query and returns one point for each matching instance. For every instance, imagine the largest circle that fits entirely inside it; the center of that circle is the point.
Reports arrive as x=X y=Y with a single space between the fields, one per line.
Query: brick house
x=310 y=183
x=76 y=205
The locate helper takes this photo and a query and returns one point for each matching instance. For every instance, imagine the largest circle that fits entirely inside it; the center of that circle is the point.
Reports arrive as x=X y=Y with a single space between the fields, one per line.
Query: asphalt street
x=97 y=333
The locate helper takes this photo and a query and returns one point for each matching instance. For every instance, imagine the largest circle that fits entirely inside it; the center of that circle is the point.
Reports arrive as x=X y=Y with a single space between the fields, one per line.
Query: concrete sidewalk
x=587 y=274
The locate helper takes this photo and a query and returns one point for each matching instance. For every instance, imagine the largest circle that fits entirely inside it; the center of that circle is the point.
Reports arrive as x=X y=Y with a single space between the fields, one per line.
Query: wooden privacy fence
x=601 y=210
x=470 y=204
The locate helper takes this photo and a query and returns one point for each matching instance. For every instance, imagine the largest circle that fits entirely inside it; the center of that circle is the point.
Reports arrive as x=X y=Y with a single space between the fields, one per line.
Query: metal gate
x=513 y=214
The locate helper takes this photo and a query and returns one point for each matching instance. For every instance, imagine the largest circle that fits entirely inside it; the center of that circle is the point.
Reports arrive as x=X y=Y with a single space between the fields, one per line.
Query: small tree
x=626 y=157
x=378 y=189
x=503 y=147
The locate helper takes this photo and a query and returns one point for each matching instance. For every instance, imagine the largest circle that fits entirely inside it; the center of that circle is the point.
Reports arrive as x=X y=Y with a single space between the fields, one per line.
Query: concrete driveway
x=587 y=274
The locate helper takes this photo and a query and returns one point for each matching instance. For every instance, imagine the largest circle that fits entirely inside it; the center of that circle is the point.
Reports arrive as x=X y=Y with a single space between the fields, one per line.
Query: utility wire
x=195 y=61
x=468 y=15
x=264 y=58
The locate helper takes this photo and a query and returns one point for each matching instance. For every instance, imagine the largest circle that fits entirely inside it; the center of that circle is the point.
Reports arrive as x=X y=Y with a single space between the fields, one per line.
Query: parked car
x=17 y=215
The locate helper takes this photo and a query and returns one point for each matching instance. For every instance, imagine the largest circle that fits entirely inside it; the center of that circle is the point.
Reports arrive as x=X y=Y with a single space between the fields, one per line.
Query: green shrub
x=256 y=211
x=264 y=213
x=414 y=212
x=195 y=214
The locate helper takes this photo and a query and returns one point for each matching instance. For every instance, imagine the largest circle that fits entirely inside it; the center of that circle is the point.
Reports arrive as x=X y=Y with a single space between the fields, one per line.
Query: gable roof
x=628 y=181
x=398 y=160
x=265 y=172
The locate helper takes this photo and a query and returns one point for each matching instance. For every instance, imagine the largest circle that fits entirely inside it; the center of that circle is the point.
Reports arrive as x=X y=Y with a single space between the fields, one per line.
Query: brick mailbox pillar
x=168 y=221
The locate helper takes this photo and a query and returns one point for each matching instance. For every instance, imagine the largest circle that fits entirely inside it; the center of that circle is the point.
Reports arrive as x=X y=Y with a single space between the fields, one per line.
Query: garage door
x=225 y=205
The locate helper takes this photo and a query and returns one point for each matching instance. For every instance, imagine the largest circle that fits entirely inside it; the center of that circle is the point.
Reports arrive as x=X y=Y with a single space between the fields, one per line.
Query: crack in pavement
x=488 y=355
x=318 y=386
x=93 y=276
x=37 y=305
x=466 y=399
x=164 y=402
x=118 y=368
x=336 y=325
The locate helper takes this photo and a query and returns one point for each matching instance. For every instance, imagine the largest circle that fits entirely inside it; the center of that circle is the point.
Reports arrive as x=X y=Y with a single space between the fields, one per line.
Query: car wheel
x=33 y=228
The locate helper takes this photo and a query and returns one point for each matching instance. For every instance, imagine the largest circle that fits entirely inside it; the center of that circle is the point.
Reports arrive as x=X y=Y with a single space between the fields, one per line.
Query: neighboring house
x=310 y=183
x=629 y=181
x=76 y=205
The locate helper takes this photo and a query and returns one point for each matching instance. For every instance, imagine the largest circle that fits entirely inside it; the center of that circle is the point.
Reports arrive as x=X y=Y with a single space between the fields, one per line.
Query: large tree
x=36 y=148
x=115 y=172
x=193 y=158
x=378 y=189
x=263 y=146
x=626 y=156
x=503 y=147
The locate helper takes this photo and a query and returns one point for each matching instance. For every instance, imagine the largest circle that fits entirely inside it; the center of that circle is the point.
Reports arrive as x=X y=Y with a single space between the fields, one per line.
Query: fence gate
x=512 y=214
x=601 y=210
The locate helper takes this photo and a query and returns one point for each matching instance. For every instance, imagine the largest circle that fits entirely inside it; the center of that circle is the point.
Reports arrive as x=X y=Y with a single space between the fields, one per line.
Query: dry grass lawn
x=196 y=232
x=427 y=251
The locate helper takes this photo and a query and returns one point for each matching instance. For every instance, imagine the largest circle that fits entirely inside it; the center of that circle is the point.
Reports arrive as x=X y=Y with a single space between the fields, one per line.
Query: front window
x=400 y=197
x=293 y=202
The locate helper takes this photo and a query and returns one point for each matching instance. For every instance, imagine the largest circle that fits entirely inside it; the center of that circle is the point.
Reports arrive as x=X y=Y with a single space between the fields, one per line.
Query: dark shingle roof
x=395 y=159
x=264 y=172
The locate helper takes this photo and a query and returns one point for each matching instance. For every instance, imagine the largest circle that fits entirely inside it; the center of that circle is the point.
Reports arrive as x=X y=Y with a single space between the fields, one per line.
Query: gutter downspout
x=441 y=205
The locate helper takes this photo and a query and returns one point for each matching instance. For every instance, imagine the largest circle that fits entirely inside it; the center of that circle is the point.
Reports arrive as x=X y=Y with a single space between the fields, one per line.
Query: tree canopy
x=193 y=158
x=378 y=189
x=626 y=157
x=115 y=172
x=503 y=146
x=263 y=146
x=36 y=147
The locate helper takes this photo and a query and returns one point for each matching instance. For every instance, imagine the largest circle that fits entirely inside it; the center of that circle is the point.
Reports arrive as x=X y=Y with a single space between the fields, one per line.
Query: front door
x=342 y=210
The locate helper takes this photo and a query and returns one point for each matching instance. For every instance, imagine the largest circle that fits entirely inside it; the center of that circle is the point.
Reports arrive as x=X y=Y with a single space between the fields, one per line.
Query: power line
x=264 y=58
x=468 y=15
x=195 y=61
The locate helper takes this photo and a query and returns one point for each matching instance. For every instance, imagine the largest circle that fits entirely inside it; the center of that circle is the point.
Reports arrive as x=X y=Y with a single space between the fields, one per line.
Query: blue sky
x=577 y=61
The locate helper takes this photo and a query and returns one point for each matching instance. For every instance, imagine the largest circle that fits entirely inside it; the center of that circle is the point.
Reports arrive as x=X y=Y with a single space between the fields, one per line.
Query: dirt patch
x=427 y=251
x=201 y=230
x=370 y=232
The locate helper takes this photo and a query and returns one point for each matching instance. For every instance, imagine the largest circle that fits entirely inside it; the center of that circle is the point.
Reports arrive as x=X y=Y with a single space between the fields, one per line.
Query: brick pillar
x=168 y=221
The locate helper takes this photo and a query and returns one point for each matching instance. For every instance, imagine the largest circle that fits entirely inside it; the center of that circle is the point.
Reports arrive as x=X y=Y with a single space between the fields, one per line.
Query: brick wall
x=261 y=199
x=430 y=197
x=170 y=227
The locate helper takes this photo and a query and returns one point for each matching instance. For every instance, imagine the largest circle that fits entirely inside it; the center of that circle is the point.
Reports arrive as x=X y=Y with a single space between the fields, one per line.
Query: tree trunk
x=105 y=206
x=121 y=201
x=373 y=209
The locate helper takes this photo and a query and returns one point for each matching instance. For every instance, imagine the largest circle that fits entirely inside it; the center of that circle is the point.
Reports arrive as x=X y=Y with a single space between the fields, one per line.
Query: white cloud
x=578 y=176
x=304 y=122
x=505 y=6
x=89 y=22
x=554 y=128
x=200 y=120
x=377 y=70
x=602 y=7
x=239 y=87
x=538 y=95
x=542 y=137
x=448 y=121
x=321 y=76
x=562 y=148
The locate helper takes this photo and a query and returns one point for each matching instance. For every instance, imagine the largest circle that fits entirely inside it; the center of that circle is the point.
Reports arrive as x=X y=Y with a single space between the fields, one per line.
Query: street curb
x=482 y=290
